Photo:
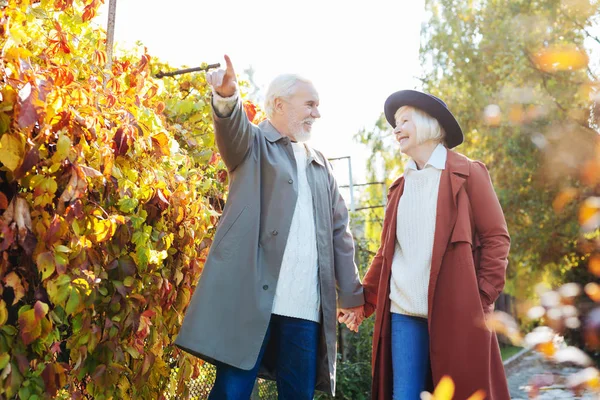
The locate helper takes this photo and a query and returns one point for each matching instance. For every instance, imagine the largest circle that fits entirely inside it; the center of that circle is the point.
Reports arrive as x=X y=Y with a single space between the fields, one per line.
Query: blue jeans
x=410 y=356
x=296 y=344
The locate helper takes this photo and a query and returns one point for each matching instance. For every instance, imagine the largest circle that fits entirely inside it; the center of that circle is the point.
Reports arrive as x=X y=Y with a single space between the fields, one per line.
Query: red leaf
x=31 y=159
x=49 y=380
x=54 y=232
x=8 y=236
x=28 y=114
x=3 y=201
x=250 y=109
x=120 y=145
x=89 y=12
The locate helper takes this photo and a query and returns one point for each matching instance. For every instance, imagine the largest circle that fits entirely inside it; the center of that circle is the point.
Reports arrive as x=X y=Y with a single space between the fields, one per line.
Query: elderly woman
x=441 y=264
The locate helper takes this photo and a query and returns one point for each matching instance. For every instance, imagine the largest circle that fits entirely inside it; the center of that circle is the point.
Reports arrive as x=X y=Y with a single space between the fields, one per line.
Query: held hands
x=352 y=317
x=223 y=81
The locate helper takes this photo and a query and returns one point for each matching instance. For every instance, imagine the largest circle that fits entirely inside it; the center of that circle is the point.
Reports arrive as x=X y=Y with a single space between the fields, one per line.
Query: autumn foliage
x=110 y=189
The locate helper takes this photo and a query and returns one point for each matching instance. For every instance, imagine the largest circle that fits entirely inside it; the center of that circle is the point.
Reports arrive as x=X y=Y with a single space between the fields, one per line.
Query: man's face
x=300 y=111
x=406 y=132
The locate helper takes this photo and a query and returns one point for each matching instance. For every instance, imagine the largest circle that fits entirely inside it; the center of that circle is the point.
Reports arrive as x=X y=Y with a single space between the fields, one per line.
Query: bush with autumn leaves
x=110 y=188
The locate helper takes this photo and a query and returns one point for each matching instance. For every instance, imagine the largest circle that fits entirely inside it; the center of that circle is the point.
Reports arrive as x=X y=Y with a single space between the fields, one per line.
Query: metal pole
x=351 y=184
x=110 y=32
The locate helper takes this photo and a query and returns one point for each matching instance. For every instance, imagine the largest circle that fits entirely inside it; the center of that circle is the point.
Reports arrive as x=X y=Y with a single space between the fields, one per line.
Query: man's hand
x=223 y=81
x=352 y=317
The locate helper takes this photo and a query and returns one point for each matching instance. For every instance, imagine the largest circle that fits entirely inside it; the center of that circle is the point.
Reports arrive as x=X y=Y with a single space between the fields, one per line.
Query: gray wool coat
x=230 y=310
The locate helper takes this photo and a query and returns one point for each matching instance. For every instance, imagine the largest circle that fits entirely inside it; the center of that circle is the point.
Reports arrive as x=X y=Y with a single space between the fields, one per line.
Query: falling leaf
x=589 y=214
x=594 y=264
x=561 y=58
x=563 y=199
x=574 y=355
x=592 y=289
x=586 y=378
x=444 y=389
x=478 y=395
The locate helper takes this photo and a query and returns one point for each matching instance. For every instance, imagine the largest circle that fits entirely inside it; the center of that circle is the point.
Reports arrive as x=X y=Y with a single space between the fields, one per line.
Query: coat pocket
x=224 y=229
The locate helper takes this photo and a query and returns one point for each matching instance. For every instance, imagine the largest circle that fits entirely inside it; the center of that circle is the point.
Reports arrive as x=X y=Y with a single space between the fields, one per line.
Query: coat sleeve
x=234 y=135
x=493 y=234
x=349 y=287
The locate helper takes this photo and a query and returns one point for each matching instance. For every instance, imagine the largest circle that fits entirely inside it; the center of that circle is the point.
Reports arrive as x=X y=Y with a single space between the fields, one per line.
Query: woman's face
x=406 y=132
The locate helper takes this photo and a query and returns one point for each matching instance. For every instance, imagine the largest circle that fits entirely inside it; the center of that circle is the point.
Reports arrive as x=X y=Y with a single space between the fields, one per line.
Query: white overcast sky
x=355 y=52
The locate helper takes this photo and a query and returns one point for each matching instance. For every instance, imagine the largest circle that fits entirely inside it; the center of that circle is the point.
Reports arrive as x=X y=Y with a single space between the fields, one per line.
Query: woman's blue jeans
x=410 y=356
x=296 y=342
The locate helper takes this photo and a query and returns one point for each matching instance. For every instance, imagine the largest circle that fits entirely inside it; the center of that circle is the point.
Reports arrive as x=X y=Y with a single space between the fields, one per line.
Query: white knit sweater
x=415 y=230
x=298 y=293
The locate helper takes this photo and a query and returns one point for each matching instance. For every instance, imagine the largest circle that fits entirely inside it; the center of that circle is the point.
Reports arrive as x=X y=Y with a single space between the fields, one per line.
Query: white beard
x=303 y=136
x=299 y=131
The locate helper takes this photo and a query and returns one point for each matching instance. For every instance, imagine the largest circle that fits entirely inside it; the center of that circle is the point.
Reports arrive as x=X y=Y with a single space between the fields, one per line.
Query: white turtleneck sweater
x=298 y=293
x=415 y=230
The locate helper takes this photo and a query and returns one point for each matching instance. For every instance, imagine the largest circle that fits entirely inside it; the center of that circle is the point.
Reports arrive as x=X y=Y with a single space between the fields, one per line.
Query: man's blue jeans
x=296 y=343
x=410 y=356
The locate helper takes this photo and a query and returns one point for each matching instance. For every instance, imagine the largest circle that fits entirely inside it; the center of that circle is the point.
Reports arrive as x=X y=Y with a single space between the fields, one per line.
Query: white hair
x=427 y=127
x=281 y=87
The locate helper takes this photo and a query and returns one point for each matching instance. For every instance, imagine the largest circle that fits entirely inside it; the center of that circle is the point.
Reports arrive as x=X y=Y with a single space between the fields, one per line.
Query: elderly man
x=266 y=302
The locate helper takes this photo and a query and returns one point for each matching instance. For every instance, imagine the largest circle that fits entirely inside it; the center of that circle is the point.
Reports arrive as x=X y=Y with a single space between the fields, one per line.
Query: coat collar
x=456 y=165
x=272 y=135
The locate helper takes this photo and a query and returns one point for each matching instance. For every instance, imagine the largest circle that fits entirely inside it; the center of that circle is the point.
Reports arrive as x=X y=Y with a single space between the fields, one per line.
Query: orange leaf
x=478 y=395
x=563 y=198
x=561 y=58
x=594 y=264
x=250 y=109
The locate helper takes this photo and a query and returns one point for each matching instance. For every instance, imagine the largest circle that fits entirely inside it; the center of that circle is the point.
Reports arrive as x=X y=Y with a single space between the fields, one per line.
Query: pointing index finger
x=229 y=65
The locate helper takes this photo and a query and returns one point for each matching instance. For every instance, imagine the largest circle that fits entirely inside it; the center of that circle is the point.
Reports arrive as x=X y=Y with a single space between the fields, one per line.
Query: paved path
x=521 y=372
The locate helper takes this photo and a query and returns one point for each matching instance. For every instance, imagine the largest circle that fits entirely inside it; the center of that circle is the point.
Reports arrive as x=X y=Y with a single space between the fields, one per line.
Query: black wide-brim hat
x=432 y=106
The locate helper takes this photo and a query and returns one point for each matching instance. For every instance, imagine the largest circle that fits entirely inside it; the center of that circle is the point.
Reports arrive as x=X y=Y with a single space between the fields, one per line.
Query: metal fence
x=199 y=388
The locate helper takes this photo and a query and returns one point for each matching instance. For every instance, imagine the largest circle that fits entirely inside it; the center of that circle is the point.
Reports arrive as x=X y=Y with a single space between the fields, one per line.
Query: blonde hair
x=427 y=127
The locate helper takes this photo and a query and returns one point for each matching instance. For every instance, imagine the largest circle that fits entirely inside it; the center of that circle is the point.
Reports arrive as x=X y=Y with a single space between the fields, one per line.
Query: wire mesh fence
x=199 y=388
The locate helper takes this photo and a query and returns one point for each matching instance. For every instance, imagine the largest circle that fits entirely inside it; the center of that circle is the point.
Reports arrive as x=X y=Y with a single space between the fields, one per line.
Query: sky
x=355 y=52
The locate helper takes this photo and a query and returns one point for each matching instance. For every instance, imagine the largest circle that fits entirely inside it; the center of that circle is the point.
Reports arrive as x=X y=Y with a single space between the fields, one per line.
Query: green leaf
x=74 y=302
x=127 y=204
x=63 y=146
x=4 y=359
x=45 y=264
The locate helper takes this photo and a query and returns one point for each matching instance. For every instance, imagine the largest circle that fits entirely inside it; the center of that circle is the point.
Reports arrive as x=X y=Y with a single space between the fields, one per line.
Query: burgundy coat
x=468 y=268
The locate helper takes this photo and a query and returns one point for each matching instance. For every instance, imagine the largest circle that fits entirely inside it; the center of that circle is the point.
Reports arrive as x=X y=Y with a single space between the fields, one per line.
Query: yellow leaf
x=561 y=58
x=11 y=151
x=445 y=389
x=3 y=313
x=104 y=229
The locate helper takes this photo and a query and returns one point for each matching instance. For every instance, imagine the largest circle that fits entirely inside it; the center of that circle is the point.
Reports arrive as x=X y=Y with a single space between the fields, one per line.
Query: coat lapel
x=451 y=181
x=395 y=192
